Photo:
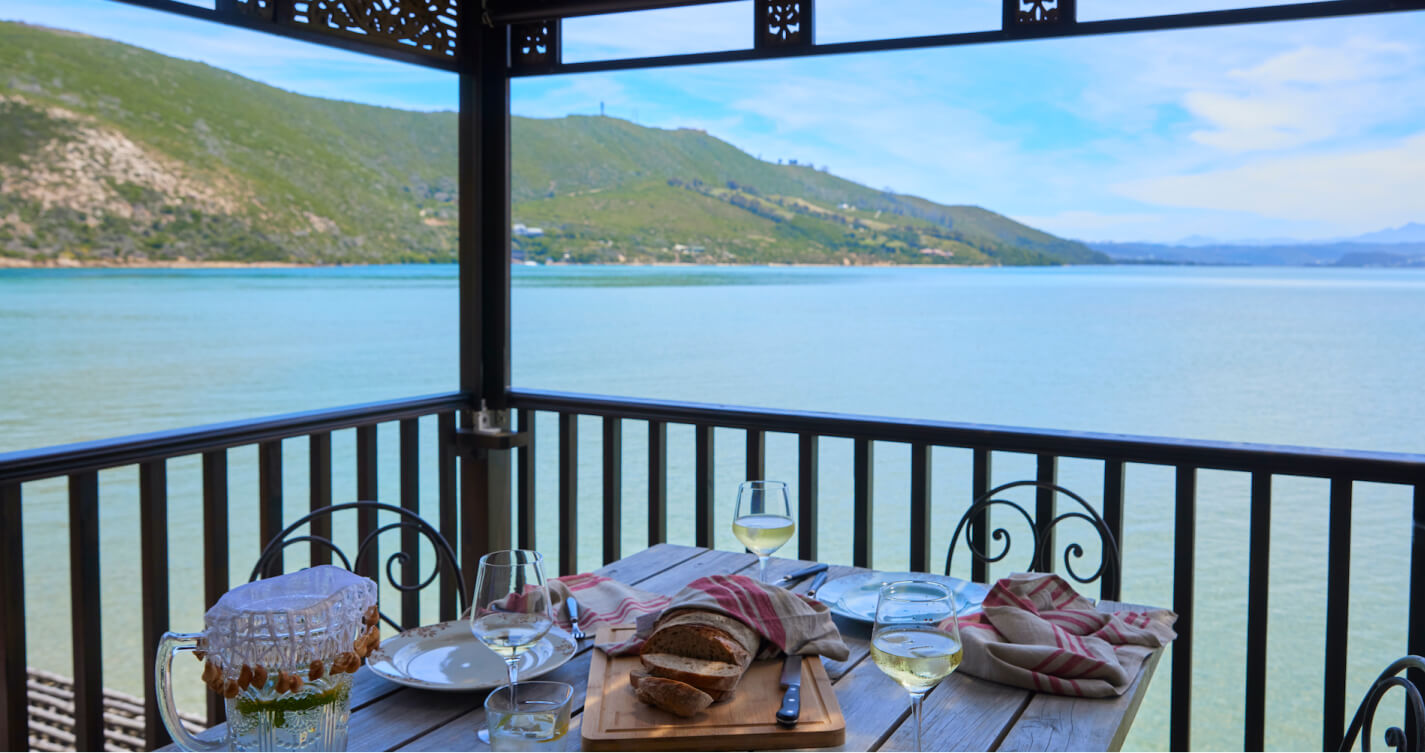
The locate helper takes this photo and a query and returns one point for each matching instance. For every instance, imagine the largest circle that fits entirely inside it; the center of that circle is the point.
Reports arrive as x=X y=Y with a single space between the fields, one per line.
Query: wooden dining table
x=962 y=713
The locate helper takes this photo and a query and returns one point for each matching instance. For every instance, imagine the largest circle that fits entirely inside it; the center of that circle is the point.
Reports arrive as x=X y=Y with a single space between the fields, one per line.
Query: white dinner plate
x=854 y=596
x=447 y=656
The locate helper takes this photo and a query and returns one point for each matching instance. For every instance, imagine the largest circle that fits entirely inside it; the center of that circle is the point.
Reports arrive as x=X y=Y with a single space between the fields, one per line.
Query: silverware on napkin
x=578 y=634
x=792 y=699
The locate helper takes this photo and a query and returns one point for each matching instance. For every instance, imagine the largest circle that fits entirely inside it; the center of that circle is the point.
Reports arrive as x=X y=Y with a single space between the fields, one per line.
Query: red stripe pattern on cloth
x=1037 y=632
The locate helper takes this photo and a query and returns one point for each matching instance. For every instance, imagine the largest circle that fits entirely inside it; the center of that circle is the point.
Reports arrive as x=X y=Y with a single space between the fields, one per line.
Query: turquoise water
x=1319 y=357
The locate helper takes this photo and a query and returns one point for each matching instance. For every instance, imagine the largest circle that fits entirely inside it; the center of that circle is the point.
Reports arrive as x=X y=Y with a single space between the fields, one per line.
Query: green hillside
x=110 y=152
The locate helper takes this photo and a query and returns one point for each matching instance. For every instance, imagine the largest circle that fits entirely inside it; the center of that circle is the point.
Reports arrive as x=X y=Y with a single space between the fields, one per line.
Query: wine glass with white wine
x=916 y=639
x=511 y=610
x=763 y=519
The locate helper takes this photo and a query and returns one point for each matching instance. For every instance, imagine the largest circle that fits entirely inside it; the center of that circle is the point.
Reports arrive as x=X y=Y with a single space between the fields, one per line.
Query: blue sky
x=1306 y=130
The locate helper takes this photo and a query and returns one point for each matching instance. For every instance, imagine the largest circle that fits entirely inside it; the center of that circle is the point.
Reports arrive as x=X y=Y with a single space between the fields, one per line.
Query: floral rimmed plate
x=854 y=596
x=447 y=656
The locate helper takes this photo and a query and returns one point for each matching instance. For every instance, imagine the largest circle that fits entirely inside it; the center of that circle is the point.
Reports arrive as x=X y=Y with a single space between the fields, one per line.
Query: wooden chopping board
x=615 y=720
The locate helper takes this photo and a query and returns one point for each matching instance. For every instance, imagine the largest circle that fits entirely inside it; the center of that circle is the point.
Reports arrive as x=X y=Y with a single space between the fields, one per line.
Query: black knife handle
x=791 y=706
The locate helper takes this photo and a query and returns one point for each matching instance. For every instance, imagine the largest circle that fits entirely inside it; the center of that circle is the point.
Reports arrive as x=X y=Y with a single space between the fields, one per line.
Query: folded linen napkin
x=788 y=622
x=602 y=601
x=1036 y=632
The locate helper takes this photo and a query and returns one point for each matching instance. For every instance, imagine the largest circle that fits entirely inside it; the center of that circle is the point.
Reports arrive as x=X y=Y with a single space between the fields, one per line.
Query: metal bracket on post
x=491 y=432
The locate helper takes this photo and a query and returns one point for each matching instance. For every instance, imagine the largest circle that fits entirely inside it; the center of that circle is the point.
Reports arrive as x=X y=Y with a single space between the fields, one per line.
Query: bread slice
x=707 y=676
x=638 y=675
x=697 y=642
x=672 y=696
x=750 y=640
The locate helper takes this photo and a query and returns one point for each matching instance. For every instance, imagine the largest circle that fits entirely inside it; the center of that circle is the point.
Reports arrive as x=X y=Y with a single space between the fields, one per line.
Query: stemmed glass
x=763 y=519
x=511 y=609
x=916 y=639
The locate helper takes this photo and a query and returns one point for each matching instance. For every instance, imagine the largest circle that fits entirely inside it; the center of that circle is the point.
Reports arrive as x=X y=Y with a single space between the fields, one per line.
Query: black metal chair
x=319 y=522
x=978 y=515
x=1410 y=738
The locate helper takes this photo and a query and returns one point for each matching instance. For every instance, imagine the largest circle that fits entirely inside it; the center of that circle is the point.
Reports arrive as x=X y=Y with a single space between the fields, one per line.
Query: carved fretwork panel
x=534 y=45
x=256 y=8
x=1022 y=13
x=783 y=24
x=423 y=26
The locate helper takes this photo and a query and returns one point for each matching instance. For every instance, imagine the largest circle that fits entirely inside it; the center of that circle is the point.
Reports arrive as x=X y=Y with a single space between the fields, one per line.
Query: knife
x=792 y=699
x=804 y=572
x=816 y=583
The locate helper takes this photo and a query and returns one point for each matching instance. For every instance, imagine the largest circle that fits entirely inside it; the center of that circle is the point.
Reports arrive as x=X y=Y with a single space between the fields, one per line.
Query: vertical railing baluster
x=1338 y=616
x=756 y=454
x=215 y=548
x=1046 y=472
x=657 y=482
x=568 y=493
x=1184 y=566
x=410 y=537
x=920 y=507
x=14 y=697
x=153 y=554
x=808 y=470
x=1111 y=585
x=449 y=514
x=862 y=517
x=367 y=459
x=1259 y=558
x=613 y=488
x=1415 y=643
x=526 y=469
x=319 y=473
x=703 y=485
x=85 y=621
x=269 y=501
x=979 y=534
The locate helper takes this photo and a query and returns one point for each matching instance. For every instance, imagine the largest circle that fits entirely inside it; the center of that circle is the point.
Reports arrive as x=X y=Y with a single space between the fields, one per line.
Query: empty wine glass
x=763 y=519
x=916 y=639
x=511 y=610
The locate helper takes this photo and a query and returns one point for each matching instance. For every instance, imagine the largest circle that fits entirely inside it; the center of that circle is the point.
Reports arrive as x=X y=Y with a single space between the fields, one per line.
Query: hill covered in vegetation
x=111 y=153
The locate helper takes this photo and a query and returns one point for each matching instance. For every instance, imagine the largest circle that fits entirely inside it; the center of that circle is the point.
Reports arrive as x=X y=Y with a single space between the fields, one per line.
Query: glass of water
x=528 y=715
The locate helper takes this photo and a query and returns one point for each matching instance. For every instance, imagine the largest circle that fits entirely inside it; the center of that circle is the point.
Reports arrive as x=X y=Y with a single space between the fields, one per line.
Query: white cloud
x=1356 y=189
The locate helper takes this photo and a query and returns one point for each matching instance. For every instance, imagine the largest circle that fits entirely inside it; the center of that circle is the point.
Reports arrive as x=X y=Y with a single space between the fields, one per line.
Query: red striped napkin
x=789 y=622
x=602 y=601
x=1036 y=632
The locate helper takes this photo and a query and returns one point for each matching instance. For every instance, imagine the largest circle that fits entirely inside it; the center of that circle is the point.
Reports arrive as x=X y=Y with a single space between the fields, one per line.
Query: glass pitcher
x=281 y=652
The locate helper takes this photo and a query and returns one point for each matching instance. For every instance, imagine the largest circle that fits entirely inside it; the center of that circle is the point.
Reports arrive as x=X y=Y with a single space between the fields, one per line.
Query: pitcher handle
x=168 y=647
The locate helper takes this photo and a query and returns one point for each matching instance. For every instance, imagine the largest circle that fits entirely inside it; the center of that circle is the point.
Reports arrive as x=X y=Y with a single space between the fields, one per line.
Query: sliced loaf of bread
x=672 y=696
x=709 y=676
x=745 y=636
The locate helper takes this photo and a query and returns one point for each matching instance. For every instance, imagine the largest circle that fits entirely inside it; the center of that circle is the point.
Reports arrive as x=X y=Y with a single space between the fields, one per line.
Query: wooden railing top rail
x=1383 y=467
x=61 y=460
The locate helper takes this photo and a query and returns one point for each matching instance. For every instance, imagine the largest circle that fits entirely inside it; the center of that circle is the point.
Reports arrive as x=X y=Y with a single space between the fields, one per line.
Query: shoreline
x=10 y=262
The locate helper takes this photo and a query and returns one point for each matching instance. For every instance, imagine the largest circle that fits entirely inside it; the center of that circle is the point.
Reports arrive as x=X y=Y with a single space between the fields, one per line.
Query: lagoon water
x=1319 y=357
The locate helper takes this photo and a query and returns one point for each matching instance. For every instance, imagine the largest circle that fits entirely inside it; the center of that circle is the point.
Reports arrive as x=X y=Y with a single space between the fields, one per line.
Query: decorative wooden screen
x=783 y=24
x=534 y=45
x=1029 y=14
x=423 y=26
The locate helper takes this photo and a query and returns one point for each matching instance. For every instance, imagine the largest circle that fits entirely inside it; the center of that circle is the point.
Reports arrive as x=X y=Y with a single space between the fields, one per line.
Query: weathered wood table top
x=962 y=713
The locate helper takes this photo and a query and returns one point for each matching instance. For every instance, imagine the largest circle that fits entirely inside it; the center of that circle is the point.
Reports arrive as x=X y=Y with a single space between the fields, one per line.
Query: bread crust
x=750 y=640
x=672 y=696
x=707 y=676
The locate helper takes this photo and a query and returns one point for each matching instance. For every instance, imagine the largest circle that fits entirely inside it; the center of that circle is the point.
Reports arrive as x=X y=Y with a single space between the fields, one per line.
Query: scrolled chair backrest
x=444 y=553
x=979 y=510
x=1412 y=737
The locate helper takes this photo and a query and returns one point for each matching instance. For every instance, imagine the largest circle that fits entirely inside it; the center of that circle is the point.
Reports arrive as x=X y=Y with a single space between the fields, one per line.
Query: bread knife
x=792 y=699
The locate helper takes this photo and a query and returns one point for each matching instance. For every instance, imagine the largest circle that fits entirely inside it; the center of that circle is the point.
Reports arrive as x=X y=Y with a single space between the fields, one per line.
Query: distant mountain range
x=1356 y=252
x=111 y=154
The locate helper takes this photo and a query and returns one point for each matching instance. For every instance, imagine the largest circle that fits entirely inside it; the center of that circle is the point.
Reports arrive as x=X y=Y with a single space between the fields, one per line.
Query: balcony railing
x=80 y=464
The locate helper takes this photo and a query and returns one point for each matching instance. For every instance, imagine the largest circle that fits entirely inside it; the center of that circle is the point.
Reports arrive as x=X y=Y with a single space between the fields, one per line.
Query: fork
x=578 y=634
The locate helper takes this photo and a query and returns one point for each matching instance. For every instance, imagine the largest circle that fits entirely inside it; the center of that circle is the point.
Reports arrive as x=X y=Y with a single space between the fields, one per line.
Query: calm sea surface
x=1319 y=357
